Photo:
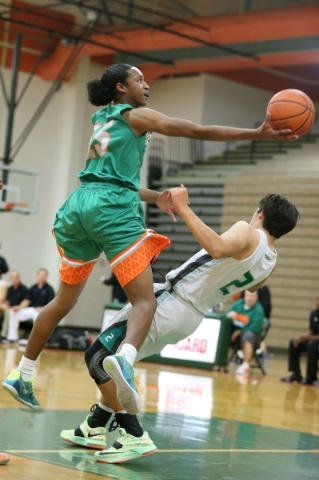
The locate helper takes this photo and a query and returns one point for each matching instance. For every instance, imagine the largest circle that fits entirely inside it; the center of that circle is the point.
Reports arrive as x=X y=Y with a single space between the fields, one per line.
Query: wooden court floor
x=206 y=425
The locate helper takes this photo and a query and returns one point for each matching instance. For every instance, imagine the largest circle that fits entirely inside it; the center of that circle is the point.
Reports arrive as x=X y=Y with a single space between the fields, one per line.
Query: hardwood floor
x=205 y=424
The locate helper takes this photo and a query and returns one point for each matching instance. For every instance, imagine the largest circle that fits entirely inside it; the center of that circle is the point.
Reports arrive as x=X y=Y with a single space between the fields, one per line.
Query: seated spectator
x=39 y=295
x=15 y=294
x=264 y=297
x=117 y=291
x=3 y=295
x=308 y=342
x=247 y=315
x=3 y=290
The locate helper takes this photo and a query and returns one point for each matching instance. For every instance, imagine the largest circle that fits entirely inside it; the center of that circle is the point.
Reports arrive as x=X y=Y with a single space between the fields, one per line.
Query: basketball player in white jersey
x=240 y=259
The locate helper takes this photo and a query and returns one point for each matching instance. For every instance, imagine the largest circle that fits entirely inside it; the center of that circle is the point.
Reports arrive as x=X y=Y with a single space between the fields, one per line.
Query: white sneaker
x=127 y=447
x=243 y=369
x=85 y=436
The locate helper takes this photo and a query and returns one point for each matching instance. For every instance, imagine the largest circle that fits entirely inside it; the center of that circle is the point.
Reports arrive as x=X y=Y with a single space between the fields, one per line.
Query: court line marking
x=211 y=450
x=237 y=450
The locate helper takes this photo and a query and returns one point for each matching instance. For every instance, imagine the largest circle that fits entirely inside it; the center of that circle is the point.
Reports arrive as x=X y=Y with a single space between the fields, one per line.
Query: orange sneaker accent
x=4 y=458
x=144 y=252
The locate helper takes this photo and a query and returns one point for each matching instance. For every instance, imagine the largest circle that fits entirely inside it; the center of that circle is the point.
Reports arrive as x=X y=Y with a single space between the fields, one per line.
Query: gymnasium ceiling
x=271 y=44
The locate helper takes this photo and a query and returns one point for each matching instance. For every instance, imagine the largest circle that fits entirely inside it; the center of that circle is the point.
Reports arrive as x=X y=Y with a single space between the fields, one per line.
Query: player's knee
x=89 y=354
x=146 y=306
x=94 y=357
x=147 y=309
x=150 y=307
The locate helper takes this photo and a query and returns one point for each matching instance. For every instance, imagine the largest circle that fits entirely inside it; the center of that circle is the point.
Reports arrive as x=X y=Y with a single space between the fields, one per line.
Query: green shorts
x=96 y=219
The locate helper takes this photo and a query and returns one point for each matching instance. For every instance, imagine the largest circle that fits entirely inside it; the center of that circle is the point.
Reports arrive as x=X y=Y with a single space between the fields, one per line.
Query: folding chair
x=259 y=353
x=236 y=354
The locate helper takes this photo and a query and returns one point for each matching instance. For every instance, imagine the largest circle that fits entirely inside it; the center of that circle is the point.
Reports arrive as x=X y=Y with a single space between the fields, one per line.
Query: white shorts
x=173 y=321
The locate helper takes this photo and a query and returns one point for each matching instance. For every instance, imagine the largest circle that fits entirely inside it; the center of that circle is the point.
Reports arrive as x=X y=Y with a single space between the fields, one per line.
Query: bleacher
x=295 y=283
x=222 y=191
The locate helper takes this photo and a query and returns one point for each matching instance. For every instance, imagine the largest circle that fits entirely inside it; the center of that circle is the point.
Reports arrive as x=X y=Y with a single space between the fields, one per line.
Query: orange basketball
x=291 y=109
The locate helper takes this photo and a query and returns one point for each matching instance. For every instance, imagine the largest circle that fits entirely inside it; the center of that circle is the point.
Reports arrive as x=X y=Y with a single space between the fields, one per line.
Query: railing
x=279 y=147
x=170 y=154
x=174 y=153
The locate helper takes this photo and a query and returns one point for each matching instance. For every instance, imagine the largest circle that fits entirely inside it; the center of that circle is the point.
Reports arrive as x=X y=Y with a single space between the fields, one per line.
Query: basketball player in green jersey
x=105 y=215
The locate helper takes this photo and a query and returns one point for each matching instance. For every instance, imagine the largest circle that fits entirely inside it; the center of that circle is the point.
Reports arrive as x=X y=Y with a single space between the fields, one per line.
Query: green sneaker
x=120 y=370
x=20 y=390
x=86 y=436
x=126 y=447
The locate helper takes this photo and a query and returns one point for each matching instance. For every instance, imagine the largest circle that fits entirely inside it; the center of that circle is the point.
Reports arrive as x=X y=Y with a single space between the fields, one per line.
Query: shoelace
x=113 y=425
x=29 y=387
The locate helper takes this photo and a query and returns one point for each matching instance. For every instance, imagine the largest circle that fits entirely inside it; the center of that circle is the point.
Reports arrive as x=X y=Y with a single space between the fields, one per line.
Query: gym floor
x=206 y=425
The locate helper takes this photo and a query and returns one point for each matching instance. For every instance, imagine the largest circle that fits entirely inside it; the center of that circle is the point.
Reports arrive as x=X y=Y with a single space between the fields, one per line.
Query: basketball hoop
x=20 y=192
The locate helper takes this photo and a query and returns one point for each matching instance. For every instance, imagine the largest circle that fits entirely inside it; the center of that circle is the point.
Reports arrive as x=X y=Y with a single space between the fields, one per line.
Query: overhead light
x=91 y=15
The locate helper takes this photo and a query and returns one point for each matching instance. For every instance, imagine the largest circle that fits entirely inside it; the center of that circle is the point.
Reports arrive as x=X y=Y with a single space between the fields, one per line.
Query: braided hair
x=102 y=92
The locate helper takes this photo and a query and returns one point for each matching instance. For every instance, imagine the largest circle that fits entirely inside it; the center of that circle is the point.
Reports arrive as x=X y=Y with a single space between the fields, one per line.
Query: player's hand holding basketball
x=267 y=132
x=179 y=198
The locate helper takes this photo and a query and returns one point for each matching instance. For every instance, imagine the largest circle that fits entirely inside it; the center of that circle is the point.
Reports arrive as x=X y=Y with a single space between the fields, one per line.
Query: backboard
x=20 y=190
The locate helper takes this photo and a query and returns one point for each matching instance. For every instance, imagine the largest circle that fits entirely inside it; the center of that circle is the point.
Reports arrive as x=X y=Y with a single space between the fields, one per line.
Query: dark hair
x=280 y=215
x=102 y=92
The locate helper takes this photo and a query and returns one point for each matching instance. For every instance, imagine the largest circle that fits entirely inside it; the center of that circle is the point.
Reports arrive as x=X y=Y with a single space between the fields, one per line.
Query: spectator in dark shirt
x=15 y=294
x=117 y=291
x=39 y=295
x=3 y=264
x=264 y=298
x=308 y=342
x=17 y=291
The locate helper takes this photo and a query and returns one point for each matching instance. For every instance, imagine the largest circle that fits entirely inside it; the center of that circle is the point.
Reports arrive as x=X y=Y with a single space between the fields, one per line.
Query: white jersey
x=188 y=293
x=204 y=282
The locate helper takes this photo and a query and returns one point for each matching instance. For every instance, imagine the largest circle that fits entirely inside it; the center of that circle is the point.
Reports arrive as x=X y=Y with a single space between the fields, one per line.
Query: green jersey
x=115 y=154
x=249 y=319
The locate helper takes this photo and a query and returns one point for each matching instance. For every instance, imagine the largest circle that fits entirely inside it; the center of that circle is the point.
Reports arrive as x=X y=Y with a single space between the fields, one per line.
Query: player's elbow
x=217 y=253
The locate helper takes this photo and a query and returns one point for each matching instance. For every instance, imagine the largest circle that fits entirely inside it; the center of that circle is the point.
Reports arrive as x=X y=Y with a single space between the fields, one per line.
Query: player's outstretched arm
x=144 y=119
x=161 y=199
x=238 y=238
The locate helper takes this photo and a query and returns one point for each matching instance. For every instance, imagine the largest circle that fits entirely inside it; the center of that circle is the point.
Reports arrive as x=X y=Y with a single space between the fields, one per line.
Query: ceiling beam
x=276 y=60
x=172 y=31
x=253 y=26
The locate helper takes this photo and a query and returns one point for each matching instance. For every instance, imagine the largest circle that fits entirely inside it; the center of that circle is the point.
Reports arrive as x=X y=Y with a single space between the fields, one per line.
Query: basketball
x=291 y=109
